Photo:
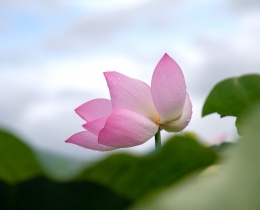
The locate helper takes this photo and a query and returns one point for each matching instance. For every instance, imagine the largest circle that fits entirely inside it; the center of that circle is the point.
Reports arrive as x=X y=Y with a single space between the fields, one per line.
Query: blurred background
x=53 y=54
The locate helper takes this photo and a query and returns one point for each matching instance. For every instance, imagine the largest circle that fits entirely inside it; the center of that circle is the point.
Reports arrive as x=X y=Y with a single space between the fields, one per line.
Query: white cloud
x=104 y=5
x=100 y=29
x=37 y=7
x=87 y=72
x=244 y=5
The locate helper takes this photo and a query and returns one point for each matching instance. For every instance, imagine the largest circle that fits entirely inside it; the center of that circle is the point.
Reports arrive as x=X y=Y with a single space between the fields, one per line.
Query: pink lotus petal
x=95 y=109
x=126 y=128
x=96 y=125
x=179 y=124
x=88 y=140
x=218 y=139
x=132 y=94
x=168 y=89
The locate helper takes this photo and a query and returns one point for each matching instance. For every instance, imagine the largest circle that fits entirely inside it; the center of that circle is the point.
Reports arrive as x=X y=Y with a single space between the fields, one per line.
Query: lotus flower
x=136 y=111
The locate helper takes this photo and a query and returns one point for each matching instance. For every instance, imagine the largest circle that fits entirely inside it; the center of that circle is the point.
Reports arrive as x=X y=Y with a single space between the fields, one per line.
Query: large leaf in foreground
x=133 y=177
x=41 y=193
x=23 y=185
x=237 y=187
x=233 y=97
x=122 y=178
x=60 y=167
x=17 y=161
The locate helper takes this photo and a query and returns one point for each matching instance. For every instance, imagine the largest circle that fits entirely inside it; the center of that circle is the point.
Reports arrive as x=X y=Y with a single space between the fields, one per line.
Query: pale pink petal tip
x=182 y=122
x=88 y=140
x=219 y=139
x=95 y=109
x=126 y=128
x=168 y=89
x=131 y=94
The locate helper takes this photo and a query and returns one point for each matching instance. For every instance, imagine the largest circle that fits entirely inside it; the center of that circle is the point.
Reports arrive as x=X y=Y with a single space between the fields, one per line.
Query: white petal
x=181 y=123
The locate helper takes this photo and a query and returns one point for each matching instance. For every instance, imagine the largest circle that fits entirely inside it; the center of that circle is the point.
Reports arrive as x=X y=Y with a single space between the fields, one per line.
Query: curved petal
x=88 y=140
x=95 y=109
x=96 y=125
x=126 y=128
x=181 y=123
x=168 y=89
x=132 y=94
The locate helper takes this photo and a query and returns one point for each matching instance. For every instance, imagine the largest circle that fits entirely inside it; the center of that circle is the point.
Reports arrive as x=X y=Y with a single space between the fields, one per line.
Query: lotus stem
x=157 y=140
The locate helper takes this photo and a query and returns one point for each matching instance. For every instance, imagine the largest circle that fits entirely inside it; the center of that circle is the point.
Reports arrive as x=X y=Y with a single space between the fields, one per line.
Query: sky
x=53 y=55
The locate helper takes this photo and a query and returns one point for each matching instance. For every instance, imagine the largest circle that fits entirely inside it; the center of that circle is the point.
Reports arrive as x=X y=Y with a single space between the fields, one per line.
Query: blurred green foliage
x=223 y=149
x=17 y=161
x=236 y=187
x=41 y=193
x=234 y=97
x=133 y=176
x=113 y=183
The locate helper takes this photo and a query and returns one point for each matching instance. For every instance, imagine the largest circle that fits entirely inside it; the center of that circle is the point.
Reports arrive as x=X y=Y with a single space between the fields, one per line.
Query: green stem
x=157 y=140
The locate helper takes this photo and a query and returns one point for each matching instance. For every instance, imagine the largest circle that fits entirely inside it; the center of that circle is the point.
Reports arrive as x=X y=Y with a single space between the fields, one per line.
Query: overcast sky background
x=53 y=53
